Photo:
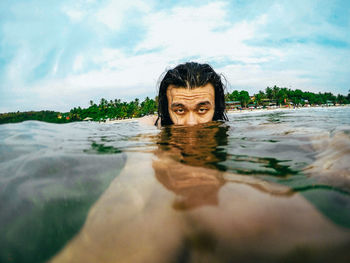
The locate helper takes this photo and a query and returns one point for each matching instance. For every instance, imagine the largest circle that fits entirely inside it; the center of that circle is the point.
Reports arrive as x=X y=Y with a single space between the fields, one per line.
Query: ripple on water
x=52 y=174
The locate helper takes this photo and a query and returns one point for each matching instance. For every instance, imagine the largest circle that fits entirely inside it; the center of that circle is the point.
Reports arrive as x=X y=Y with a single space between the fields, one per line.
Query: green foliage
x=241 y=96
x=106 y=109
x=120 y=110
x=116 y=109
x=48 y=116
x=283 y=96
x=244 y=98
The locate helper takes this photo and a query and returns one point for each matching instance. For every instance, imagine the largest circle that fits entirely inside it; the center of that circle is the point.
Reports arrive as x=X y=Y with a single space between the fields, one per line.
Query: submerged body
x=264 y=187
x=136 y=220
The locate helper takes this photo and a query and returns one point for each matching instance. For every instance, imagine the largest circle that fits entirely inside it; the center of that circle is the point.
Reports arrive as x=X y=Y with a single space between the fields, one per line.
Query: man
x=191 y=94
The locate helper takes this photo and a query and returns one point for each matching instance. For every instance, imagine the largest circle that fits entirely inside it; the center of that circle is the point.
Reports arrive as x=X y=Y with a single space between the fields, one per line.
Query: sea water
x=272 y=186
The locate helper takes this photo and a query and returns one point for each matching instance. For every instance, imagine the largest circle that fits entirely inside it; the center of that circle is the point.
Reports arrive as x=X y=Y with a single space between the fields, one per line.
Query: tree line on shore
x=113 y=109
x=116 y=109
x=284 y=96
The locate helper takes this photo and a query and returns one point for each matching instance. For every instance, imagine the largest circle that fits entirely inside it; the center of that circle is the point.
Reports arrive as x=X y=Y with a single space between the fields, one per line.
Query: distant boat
x=87 y=119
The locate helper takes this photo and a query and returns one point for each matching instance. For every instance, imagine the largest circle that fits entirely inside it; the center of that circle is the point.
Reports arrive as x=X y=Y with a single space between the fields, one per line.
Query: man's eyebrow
x=174 y=105
x=204 y=103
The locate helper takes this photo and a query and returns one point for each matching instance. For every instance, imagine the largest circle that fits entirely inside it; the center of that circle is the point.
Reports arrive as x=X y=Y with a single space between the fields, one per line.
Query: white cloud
x=18 y=69
x=142 y=70
x=77 y=11
x=179 y=33
x=254 y=78
x=87 y=64
x=78 y=63
x=201 y=31
x=74 y=14
x=113 y=13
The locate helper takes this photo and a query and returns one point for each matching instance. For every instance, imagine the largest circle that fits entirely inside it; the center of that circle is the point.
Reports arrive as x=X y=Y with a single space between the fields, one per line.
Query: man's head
x=190 y=94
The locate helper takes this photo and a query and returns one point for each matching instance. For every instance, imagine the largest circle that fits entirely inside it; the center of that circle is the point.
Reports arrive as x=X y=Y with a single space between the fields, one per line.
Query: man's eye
x=202 y=110
x=180 y=111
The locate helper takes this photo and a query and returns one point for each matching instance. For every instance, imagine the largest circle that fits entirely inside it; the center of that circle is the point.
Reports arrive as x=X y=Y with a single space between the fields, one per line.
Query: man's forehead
x=203 y=92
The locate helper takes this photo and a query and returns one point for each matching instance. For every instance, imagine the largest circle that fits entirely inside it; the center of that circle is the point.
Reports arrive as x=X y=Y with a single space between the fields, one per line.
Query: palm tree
x=260 y=97
x=275 y=91
x=269 y=93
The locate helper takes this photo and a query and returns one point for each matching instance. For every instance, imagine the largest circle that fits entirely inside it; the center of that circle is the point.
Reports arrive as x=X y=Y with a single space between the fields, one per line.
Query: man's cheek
x=175 y=119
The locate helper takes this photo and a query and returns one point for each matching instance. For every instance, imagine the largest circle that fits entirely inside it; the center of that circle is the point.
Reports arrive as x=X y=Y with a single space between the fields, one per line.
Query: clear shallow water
x=220 y=192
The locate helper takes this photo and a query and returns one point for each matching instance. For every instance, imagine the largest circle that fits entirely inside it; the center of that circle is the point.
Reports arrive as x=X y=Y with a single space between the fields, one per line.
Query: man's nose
x=191 y=120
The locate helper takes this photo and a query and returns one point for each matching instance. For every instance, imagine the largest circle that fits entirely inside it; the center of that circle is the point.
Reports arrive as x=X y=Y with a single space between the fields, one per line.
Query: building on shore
x=232 y=105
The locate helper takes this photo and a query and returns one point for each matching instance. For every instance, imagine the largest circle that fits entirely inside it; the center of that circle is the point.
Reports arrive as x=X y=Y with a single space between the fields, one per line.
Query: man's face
x=191 y=106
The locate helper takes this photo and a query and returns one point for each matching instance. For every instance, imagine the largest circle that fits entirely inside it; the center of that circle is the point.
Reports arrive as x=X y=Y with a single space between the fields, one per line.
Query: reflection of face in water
x=189 y=163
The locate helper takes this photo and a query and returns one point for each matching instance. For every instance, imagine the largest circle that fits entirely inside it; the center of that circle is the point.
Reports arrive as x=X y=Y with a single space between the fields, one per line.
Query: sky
x=56 y=55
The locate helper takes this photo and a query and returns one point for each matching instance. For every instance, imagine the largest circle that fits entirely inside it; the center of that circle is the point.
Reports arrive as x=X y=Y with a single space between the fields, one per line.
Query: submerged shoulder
x=148 y=120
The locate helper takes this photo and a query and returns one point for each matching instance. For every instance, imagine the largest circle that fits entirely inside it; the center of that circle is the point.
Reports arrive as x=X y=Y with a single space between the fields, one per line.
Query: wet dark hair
x=191 y=75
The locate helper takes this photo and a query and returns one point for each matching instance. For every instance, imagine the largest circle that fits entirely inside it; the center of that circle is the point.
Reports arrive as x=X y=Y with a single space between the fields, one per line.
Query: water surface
x=268 y=186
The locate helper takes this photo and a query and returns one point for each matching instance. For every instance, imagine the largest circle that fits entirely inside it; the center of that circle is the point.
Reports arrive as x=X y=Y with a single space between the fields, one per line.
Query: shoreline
x=119 y=121
x=151 y=118
x=245 y=111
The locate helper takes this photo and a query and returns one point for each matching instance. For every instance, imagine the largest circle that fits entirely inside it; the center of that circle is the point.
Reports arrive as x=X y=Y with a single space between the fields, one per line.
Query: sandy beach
x=282 y=109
